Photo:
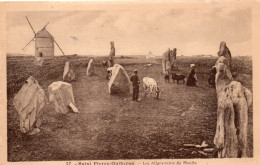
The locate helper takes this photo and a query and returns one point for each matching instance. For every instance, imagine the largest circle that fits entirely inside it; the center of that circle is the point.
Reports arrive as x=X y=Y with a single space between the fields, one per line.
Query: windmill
x=44 y=42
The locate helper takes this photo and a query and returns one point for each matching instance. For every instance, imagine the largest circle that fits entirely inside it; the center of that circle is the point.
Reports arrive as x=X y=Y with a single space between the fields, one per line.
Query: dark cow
x=167 y=78
x=212 y=76
x=178 y=77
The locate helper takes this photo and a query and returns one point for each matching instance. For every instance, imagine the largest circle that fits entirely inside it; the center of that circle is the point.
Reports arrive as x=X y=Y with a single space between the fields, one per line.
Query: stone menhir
x=234 y=101
x=165 y=63
x=38 y=61
x=61 y=96
x=119 y=82
x=68 y=74
x=91 y=68
x=29 y=102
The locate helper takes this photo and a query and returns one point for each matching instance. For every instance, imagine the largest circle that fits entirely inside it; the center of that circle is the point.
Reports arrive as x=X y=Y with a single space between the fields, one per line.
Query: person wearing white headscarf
x=192 y=78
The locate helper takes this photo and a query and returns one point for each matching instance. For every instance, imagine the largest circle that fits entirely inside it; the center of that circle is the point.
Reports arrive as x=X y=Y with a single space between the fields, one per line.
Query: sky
x=193 y=31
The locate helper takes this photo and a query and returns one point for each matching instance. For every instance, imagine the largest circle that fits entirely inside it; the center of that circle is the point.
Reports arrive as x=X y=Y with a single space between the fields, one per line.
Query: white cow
x=152 y=85
x=109 y=72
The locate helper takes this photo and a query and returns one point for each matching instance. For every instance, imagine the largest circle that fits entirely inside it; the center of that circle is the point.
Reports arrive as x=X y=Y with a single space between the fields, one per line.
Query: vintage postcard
x=129 y=83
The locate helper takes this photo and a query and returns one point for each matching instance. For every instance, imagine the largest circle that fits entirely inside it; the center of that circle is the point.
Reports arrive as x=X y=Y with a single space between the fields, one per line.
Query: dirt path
x=113 y=127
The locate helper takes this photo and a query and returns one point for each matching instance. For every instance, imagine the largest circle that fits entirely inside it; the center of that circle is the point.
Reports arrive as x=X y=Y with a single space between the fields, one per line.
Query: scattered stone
x=147 y=65
x=203 y=145
x=189 y=145
x=73 y=108
x=193 y=152
x=29 y=103
x=184 y=149
x=209 y=149
x=203 y=153
x=61 y=96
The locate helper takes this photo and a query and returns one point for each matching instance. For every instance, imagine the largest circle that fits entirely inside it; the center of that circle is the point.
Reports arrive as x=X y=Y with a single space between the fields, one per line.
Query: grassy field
x=114 y=127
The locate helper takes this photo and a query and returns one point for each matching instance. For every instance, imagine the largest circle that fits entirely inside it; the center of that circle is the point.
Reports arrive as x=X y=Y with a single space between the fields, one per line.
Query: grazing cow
x=152 y=85
x=178 y=77
x=212 y=76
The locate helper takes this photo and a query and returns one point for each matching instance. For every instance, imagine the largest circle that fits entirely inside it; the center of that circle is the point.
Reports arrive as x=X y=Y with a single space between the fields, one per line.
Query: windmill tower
x=44 y=42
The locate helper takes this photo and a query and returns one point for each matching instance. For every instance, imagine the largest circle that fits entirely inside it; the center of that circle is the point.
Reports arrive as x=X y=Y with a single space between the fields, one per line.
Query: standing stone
x=165 y=62
x=61 y=96
x=119 y=81
x=232 y=121
x=68 y=73
x=234 y=100
x=167 y=68
x=38 y=61
x=91 y=68
x=173 y=57
x=29 y=103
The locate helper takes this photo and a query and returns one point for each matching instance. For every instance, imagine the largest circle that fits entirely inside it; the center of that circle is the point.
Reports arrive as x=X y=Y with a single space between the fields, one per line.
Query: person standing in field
x=135 y=82
x=224 y=51
x=112 y=53
x=192 y=78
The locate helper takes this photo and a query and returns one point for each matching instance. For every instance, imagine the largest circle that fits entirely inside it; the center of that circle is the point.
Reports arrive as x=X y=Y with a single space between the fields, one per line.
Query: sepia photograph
x=148 y=81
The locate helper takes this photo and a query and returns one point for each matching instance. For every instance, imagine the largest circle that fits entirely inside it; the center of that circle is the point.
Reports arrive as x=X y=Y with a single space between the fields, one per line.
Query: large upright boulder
x=166 y=63
x=29 y=103
x=61 y=96
x=119 y=82
x=91 y=68
x=164 y=60
x=234 y=101
x=167 y=67
x=68 y=73
x=173 y=56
